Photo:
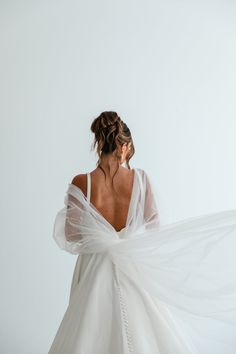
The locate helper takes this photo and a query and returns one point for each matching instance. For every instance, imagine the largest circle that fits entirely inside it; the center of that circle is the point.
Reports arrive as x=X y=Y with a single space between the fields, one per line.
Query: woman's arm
x=151 y=213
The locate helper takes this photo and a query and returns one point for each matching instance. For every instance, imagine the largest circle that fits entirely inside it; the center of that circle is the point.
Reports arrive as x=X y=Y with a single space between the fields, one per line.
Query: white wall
x=168 y=69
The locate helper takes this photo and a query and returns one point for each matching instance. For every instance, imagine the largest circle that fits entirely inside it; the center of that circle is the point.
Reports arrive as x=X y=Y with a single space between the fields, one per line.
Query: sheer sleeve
x=72 y=219
x=151 y=212
x=66 y=230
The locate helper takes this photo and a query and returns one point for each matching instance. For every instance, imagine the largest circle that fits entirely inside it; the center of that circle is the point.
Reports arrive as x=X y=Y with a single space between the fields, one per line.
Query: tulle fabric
x=149 y=288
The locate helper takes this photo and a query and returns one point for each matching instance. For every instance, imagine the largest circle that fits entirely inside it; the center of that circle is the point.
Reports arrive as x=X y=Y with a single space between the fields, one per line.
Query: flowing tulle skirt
x=170 y=290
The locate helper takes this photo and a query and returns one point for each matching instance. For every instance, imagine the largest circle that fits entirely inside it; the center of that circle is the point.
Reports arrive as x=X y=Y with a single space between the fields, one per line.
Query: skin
x=110 y=199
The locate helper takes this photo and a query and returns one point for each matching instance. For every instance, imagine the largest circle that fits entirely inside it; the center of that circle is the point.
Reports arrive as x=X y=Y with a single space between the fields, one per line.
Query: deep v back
x=88 y=197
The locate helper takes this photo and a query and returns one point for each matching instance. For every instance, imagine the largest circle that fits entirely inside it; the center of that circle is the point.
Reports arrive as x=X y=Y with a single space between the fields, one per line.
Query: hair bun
x=110 y=132
x=106 y=120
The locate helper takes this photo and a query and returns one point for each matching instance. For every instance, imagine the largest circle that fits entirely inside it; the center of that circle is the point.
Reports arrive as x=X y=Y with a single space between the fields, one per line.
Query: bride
x=139 y=286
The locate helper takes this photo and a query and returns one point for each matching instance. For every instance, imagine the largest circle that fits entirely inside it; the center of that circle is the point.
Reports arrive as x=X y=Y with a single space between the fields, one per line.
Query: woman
x=139 y=286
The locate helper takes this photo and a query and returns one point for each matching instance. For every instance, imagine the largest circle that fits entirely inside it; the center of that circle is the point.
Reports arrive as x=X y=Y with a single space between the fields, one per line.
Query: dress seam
x=124 y=313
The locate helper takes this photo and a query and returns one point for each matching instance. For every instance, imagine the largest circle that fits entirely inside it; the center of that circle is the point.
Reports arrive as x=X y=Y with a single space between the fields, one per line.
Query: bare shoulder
x=80 y=181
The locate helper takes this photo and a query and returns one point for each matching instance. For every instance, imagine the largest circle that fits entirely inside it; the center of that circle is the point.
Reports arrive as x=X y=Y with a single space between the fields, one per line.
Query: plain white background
x=167 y=68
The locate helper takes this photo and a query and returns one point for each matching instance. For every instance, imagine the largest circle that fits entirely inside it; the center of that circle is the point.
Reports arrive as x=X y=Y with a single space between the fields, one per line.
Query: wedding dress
x=148 y=288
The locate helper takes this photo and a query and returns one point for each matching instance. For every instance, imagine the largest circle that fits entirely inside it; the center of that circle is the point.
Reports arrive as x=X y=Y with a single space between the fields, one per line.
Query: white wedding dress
x=149 y=288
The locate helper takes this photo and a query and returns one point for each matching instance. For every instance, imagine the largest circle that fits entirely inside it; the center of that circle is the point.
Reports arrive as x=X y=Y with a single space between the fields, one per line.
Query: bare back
x=112 y=201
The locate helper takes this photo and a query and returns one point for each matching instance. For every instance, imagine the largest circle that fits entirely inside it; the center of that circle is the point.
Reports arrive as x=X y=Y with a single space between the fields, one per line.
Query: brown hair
x=110 y=131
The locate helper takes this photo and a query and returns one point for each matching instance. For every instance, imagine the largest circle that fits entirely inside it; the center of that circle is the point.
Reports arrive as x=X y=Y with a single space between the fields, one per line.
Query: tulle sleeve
x=73 y=217
x=151 y=212
x=66 y=225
